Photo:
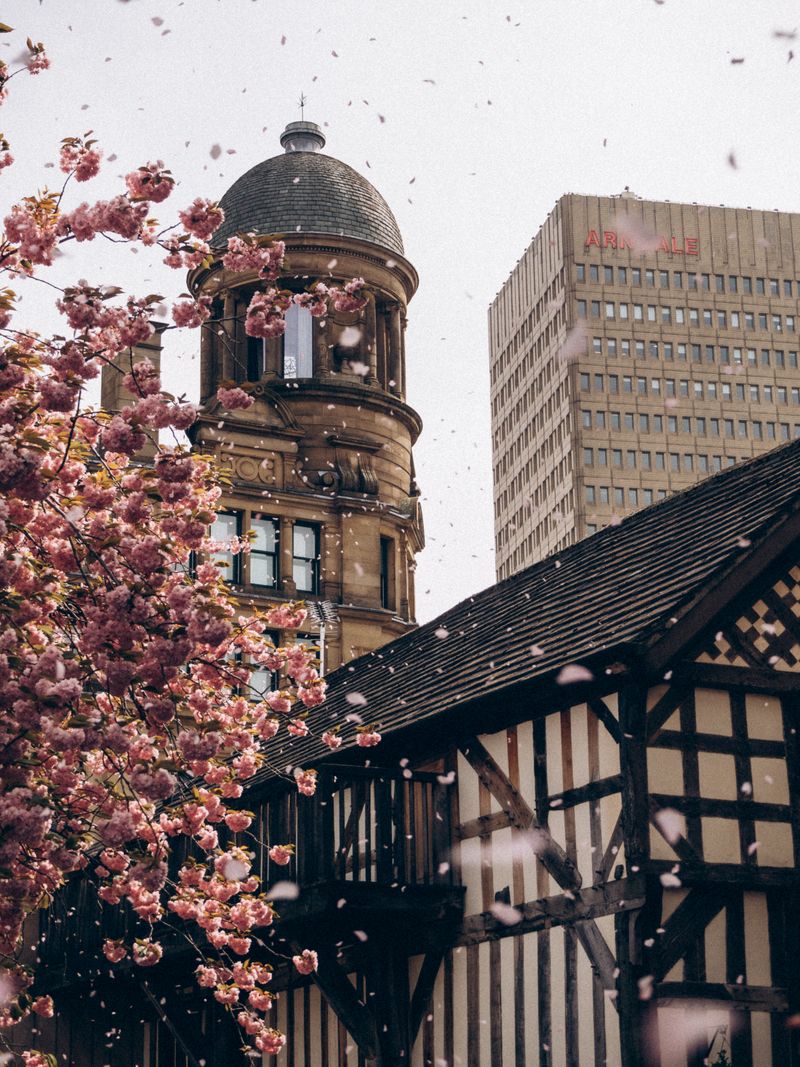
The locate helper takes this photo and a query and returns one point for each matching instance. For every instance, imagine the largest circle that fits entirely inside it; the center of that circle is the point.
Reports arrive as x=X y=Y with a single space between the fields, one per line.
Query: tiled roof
x=616 y=588
x=307 y=192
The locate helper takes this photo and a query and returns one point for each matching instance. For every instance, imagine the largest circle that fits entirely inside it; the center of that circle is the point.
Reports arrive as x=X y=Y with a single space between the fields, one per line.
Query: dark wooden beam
x=552 y=855
x=753 y=997
x=684 y=927
x=582 y=793
x=423 y=990
x=606 y=717
x=663 y=708
x=725 y=676
x=633 y=769
x=692 y=874
x=575 y=907
x=484 y=825
x=339 y=992
x=695 y=807
x=734 y=746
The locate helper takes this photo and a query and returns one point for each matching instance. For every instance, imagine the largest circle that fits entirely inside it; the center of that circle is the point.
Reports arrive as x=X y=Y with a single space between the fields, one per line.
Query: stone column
x=207 y=359
x=322 y=354
x=227 y=339
x=287 y=556
x=371 y=347
x=395 y=351
x=404 y=577
x=240 y=347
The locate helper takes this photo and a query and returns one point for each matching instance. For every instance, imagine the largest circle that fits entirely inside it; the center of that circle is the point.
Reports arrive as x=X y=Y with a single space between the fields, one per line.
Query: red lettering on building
x=686 y=246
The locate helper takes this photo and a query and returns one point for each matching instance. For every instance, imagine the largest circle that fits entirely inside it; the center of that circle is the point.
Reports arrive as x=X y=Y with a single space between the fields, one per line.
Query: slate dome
x=305 y=191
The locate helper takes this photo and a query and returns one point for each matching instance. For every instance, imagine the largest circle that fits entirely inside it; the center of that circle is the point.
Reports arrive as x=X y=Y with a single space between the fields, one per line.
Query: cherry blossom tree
x=127 y=720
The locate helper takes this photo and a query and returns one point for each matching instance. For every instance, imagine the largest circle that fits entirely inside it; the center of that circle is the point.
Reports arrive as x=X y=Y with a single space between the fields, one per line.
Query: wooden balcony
x=375 y=853
x=373 y=850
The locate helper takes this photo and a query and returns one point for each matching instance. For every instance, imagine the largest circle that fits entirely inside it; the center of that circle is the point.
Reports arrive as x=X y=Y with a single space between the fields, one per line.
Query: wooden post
x=633 y=768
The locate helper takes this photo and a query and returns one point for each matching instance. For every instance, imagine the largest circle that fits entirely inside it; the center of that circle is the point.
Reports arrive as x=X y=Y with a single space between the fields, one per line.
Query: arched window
x=298 y=342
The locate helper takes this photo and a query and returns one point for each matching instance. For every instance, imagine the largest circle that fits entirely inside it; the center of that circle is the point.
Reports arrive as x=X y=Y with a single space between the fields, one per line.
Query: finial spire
x=303 y=101
x=302 y=136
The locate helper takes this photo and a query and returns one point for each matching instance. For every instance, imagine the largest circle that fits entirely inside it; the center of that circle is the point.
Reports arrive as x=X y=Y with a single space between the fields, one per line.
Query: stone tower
x=321 y=468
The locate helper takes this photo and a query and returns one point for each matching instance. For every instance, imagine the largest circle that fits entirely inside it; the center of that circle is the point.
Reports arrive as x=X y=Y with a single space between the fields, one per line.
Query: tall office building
x=636 y=347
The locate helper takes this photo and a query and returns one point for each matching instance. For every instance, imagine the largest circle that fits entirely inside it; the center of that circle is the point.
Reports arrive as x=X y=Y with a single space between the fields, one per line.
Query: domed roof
x=304 y=191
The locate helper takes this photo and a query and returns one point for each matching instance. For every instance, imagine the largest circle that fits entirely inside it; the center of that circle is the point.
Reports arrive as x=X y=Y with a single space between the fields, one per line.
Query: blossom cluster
x=127 y=718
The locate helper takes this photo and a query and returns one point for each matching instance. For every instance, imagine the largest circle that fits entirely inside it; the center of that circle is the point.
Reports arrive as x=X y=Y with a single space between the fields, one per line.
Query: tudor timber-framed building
x=608 y=743
x=636 y=347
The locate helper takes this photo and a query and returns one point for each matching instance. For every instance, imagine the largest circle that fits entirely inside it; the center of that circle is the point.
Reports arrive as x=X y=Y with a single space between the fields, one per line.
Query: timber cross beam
x=553 y=857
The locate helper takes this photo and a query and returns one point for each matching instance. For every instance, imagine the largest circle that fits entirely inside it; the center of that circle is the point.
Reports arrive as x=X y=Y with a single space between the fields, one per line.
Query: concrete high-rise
x=636 y=347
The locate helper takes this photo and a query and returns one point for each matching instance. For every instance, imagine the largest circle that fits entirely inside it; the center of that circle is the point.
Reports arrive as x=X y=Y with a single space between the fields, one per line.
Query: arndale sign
x=686 y=246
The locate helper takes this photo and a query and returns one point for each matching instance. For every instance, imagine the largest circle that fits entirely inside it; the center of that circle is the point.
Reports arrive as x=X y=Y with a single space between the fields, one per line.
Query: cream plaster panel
x=721 y=840
x=717 y=775
x=610 y=808
x=504 y=844
x=530 y=948
x=664 y=771
x=525 y=752
x=558 y=998
x=764 y=720
x=555 y=781
x=761 y=1030
x=468 y=807
x=607 y=749
x=613 y=1051
x=460 y=1007
x=670 y=900
x=770 y=780
x=471 y=875
x=655 y=694
x=583 y=842
x=497 y=747
x=484 y=1031
x=660 y=849
x=713 y=711
x=774 y=844
x=715 y=951
x=507 y=985
x=438 y=1015
x=585 y=1027
x=579 y=731
x=756 y=939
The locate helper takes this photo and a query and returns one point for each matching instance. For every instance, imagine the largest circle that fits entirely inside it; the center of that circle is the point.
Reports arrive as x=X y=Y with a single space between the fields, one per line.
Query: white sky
x=490 y=112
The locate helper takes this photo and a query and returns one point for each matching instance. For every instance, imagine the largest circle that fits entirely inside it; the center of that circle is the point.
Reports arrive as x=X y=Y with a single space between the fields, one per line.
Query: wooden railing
x=375 y=826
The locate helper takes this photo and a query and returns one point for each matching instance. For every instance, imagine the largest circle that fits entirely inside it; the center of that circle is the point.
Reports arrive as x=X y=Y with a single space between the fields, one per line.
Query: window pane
x=303 y=574
x=297 y=343
x=264 y=530
x=305 y=541
x=262 y=570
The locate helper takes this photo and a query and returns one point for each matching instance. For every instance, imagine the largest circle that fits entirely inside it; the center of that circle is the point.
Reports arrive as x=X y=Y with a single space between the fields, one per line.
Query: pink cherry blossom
x=202 y=218
x=281 y=854
x=150 y=182
x=234 y=399
x=306 y=781
x=306 y=962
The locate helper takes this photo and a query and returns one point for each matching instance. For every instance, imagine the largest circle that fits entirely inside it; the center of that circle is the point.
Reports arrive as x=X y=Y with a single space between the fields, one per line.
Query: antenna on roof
x=302 y=103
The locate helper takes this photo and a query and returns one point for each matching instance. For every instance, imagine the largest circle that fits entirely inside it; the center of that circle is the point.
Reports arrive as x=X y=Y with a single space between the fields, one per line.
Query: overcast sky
x=471 y=118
